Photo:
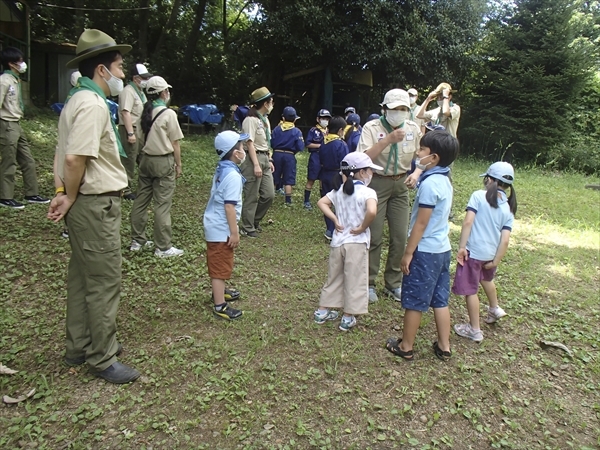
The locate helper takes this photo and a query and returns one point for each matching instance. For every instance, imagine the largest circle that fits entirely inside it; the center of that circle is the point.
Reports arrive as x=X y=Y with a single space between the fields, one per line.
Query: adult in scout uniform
x=447 y=113
x=160 y=165
x=314 y=140
x=14 y=148
x=131 y=105
x=413 y=96
x=391 y=142
x=258 y=168
x=89 y=185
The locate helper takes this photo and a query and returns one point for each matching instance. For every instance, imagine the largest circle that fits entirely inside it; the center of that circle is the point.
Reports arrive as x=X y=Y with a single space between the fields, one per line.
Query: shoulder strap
x=154 y=120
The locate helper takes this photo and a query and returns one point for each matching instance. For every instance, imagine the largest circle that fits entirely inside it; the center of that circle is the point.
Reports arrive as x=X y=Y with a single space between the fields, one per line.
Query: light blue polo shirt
x=488 y=225
x=227 y=186
x=435 y=192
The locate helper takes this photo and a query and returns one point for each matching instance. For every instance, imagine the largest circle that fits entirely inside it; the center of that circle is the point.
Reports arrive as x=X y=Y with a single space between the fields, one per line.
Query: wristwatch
x=446 y=97
x=130 y=134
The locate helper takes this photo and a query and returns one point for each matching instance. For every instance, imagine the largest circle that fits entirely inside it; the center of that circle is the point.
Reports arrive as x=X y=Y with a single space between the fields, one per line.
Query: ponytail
x=147 y=112
x=491 y=194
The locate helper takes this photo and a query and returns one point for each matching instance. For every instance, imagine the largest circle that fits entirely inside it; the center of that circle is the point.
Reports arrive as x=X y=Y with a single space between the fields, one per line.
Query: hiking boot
x=118 y=373
x=226 y=312
x=37 y=199
x=323 y=316
x=307 y=206
x=372 y=294
x=136 y=246
x=345 y=325
x=250 y=234
x=168 y=253
x=394 y=293
x=74 y=362
x=11 y=203
x=466 y=330
x=494 y=314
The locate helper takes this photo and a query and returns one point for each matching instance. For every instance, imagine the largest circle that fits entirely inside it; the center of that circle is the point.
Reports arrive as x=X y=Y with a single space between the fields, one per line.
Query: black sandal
x=393 y=346
x=441 y=354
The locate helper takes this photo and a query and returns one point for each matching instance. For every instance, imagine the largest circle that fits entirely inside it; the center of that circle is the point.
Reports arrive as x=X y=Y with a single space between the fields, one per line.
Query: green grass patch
x=274 y=379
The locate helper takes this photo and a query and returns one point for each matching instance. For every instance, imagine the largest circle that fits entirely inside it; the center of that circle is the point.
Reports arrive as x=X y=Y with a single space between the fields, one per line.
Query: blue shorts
x=428 y=284
x=314 y=166
x=285 y=168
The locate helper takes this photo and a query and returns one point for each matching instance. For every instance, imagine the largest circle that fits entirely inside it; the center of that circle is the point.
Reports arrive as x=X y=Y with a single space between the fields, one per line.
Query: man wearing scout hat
x=447 y=113
x=89 y=182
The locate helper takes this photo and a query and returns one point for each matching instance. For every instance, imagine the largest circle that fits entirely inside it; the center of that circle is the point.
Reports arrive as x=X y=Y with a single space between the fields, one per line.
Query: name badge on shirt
x=410 y=136
x=11 y=90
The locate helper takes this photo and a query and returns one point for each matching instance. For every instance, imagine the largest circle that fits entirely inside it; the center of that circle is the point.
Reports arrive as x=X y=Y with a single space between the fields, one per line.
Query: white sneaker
x=372 y=294
x=136 y=246
x=345 y=325
x=494 y=314
x=467 y=331
x=168 y=253
x=394 y=293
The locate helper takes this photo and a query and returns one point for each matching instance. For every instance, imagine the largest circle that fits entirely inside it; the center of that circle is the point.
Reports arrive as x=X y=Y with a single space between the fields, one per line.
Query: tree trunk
x=190 y=49
x=168 y=26
x=143 y=36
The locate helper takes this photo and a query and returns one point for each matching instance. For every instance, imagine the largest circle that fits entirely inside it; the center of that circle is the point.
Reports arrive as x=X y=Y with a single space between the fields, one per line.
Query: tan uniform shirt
x=255 y=127
x=10 y=103
x=413 y=115
x=450 y=123
x=163 y=133
x=129 y=100
x=374 y=131
x=85 y=129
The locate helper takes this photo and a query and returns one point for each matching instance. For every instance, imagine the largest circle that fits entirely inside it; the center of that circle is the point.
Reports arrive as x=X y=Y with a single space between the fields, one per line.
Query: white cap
x=360 y=160
x=157 y=84
x=74 y=77
x=501 y=171
x=395 y=98
x=142 y=71
x=413 y=91
x=226 y=140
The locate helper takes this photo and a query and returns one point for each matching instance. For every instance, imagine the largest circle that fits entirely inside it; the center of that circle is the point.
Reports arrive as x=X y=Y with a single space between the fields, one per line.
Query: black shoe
x=231 y=294
x=130 y=196
x=11 y=203
x=118 y=373
x=250 y=234
x=73 y=362
x=37 y=199
x=258 y=228
x=227 y=312
x=65 y=233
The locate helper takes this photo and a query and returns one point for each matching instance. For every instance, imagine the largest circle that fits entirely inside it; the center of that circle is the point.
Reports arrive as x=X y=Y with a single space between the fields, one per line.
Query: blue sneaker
x=307 y=206
x=394 y=293
x=323 y=316
x=280 y=191
x=345 y=325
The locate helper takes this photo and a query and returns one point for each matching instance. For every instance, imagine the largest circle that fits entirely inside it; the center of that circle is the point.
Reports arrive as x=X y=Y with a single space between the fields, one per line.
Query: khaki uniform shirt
x=374 y=131
x=255 y=127
x=10 y=103
x=165 y=130
x=450 y=123
x=413 y=115
x=130 y=101
x=85 y=129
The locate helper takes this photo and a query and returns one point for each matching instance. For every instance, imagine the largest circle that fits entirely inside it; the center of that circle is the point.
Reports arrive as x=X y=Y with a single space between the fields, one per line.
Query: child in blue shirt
x=286 y=141
x=331 y=154
x=352 y=134
x=483 y=243
x=221 y=219
x=426 y=260
x=314 y=140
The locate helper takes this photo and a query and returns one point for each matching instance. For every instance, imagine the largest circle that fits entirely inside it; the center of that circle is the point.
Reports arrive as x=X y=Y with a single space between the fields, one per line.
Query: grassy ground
x=274 y=379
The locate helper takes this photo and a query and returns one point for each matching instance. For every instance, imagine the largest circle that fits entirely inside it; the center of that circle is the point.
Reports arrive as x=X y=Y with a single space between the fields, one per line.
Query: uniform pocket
x=103 y=257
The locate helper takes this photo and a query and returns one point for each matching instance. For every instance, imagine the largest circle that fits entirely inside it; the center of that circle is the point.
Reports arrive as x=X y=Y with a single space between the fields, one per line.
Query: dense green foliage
x=524 y=70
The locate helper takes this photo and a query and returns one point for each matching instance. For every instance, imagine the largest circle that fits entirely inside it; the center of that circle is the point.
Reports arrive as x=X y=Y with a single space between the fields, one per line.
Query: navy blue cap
x=350 y=109
x=373 y=116
x=324 y=113
x=289 y=113
x=431 y=127
x=354 y=119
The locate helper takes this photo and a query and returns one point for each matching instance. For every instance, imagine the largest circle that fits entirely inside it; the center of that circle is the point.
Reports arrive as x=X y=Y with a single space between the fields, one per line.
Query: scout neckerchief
x=323 y=129
x=224 y=168
x=438 y=120
x=10 y=72
x=140 y=94
x=437 y=169
x=86 y=84
x=393 y=147
x=157 y=103
x=267 y=130
x=285 y=125
x=412 y=112
x=331 y=137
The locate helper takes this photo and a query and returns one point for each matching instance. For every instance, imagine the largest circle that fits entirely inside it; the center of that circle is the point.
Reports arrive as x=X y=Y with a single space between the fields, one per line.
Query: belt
x=157 y=156
x=262 y=152
x=105 y=194
x=393 y=177
x=284 y=151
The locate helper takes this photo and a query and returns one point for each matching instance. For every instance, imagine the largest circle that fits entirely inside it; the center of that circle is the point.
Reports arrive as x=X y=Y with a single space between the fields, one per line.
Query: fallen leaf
x=11 y=401
x=269 y=426
x=6 y=370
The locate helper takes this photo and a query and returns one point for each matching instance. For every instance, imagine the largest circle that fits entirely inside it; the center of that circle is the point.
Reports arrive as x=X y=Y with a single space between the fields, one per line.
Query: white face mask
x=270 y=108
x=22 y=67
x=244 y=158
x=324 y=123
x=143 y=84
x=367 y=180
x=413 y=100
x=115 y=85
x=396 y=118
x=421 y=166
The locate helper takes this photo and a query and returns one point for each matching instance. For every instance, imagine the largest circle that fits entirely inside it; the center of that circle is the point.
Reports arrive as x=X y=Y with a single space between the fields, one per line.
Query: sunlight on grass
x=548 y=233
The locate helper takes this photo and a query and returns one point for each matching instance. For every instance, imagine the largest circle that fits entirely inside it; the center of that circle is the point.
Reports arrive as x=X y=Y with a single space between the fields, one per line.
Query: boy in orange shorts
x=221 y=219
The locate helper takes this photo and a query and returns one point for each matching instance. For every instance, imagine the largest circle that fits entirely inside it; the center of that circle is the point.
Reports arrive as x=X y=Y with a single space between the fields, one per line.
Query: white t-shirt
x=350 y=211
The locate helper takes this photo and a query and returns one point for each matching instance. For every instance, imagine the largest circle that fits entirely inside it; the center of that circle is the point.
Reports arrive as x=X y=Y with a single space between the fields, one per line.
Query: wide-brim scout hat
x=260 y=94
x=157 y=84
x=93 y=42
x=442 y=86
